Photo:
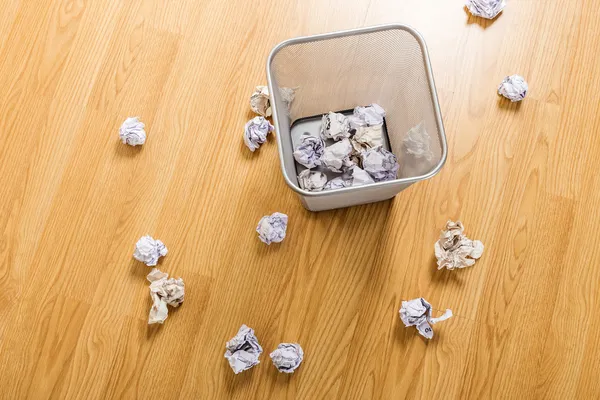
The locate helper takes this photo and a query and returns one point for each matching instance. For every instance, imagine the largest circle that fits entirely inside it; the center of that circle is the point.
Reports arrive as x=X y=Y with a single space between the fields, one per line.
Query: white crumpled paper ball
x=367 y=137
x=260 y=101
x=335 y=126
x=357 y=176
x=287 y=357
x=371 y=115
x=417 y=312
x=272 y=228
x=288 y=95
x=338 y=156
x=418 y=142
x=339 y=182
x=132 y=132
x=353 y=176
x=488 y=9
x=256 y=131
x=163 y=291
x=309 y=150
x=454 y=249
x=380 y=163
x=514 y=88
x=313 y=181
x=243 y=350
x=148 y=250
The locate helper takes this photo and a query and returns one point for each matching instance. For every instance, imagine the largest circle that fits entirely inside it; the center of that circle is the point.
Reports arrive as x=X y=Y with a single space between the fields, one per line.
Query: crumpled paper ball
x=358 y=176
x=260 y=101
x=380 y=163
x=163 y=291
x=256 y=131
x=287 y=357
x=371 y=115
x=309 y=150
x=313 y=181
x=417 y=312
x=288 y=95
x=514 y=88
x=272 y=228
x=418 y=142
x=367 y=137
x=338 y=156
x=353 y=176
x=148 y=250
x=132 y=132
x=339 y=182
x=486 y=8
x=335 y=126
x=454 y=249
x=243 y=350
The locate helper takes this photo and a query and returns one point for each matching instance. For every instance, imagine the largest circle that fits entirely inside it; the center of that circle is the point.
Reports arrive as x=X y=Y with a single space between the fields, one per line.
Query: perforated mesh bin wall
x=387 y=65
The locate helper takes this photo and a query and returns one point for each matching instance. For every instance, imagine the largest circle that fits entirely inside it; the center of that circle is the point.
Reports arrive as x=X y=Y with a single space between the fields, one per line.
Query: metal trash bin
x=388 y=65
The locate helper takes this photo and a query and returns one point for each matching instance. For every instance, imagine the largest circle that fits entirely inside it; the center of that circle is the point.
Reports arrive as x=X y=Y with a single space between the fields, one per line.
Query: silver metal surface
x=388 y=65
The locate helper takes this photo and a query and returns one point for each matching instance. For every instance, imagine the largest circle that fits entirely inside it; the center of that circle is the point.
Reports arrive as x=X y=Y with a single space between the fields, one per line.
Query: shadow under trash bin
x=387 y=65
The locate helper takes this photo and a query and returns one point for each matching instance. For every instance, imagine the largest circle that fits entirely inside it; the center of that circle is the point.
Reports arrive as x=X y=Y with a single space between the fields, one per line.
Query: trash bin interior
x=385 y=65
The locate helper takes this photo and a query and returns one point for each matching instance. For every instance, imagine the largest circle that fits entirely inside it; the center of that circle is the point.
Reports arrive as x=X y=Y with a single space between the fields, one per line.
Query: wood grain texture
x=74 y=200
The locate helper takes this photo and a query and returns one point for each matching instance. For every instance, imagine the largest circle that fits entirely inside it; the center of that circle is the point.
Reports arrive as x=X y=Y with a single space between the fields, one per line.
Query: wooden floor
x=73 y=201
